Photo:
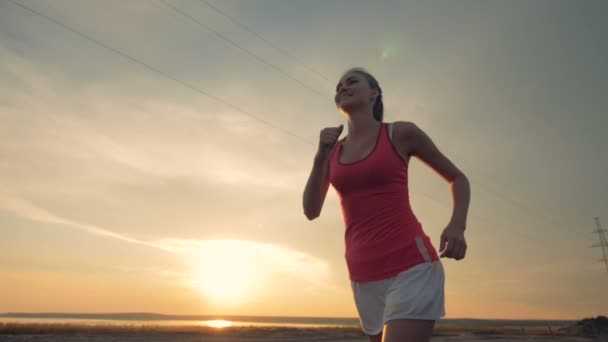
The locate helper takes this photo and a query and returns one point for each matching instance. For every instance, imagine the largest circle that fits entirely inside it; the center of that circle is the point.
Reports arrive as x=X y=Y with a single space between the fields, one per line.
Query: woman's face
x=353 y=92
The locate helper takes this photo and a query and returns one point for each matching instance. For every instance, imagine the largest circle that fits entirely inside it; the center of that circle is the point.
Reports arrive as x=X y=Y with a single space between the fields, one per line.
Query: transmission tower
x=603 y=242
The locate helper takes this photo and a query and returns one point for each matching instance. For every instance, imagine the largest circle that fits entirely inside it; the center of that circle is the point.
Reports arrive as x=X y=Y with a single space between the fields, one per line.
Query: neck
x=361 y=124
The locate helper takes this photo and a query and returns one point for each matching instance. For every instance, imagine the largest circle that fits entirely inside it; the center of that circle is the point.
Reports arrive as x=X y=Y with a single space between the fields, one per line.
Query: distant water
x=177 y=320
x=226 y=321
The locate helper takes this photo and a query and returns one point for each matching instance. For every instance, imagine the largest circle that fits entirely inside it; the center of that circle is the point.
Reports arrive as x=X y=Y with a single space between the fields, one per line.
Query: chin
x=349 y=106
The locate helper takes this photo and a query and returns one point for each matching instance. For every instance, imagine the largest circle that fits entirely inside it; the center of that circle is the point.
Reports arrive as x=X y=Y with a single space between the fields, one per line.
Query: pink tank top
x=383 y=236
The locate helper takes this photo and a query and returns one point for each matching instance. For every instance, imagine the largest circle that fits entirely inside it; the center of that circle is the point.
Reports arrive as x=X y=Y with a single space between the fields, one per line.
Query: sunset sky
x=123 y=189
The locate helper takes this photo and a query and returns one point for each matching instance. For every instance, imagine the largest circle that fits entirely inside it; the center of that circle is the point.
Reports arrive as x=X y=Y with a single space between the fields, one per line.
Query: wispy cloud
x=267 y=258
x=29 y=211
x=154 y=137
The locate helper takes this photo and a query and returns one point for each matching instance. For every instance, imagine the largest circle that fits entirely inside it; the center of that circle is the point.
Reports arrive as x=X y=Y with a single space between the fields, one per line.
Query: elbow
x=460 y=178
x=461 y=182
x=310 y=215
x=465 y=180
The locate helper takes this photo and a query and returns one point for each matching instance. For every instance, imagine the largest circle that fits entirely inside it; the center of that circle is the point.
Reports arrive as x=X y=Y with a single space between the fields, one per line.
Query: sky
x=158 y=165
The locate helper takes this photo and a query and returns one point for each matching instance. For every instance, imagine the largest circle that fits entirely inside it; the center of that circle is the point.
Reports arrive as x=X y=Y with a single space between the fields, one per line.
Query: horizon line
x=262 y=316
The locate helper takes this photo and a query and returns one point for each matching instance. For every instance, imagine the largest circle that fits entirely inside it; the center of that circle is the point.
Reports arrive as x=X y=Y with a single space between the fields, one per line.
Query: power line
x=154 y=69
x=194 y=88
x=246 y=28
x=149 y=67
x=237 y=46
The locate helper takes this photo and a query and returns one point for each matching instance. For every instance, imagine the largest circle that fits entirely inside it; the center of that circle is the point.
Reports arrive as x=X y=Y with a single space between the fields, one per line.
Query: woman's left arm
x=420 y=145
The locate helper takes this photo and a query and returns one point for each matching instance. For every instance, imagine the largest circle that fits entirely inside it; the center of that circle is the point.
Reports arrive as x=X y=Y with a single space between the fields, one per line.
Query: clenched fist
x=327 y=140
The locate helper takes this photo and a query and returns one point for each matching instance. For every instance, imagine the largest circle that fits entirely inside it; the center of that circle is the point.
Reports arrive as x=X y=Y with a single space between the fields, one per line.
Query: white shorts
x=416 y=293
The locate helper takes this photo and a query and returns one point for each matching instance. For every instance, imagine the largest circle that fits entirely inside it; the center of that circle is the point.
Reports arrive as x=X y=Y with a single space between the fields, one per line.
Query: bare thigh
x=410 y=330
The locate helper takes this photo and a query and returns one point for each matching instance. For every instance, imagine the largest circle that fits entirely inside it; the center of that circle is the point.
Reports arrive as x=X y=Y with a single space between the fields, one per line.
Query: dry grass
x=244 y=331
x=540 y=331
x=241 y=331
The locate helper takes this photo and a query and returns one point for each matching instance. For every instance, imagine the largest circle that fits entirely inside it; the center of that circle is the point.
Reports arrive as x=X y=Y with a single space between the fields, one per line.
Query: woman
x=396 y=275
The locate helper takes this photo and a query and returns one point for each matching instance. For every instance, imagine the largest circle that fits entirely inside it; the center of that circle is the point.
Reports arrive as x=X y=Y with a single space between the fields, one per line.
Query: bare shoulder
x=417 y=143
x=404 y=133
x=405 y=130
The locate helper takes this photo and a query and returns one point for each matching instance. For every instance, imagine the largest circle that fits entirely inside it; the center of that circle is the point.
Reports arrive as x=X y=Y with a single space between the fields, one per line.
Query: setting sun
x=219 y=324
x=225 y=272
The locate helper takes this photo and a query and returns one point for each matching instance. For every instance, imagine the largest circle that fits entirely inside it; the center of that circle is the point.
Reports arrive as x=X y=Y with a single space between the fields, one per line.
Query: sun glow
x=235 y=272
x=225 y=272
x=219 y=324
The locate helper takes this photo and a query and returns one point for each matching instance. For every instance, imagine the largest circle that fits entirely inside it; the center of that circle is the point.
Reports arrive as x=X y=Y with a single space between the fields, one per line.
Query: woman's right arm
x=318 y=181
x=316 y=187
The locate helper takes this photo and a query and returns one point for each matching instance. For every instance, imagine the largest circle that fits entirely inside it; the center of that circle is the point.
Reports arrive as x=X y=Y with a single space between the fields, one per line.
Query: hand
x=453 y=236
x=329 y=137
